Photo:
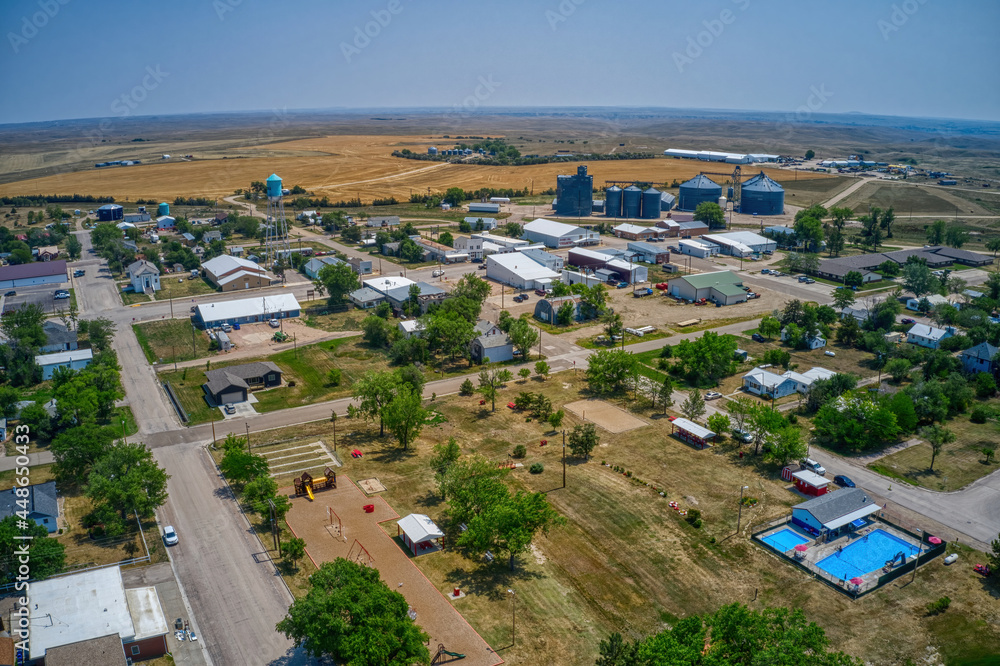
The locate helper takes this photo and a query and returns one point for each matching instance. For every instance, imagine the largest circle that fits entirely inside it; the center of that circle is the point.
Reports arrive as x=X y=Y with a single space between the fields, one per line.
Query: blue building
x=981 y=358
x=42 y=505
x=110 y=213
x=575 y=194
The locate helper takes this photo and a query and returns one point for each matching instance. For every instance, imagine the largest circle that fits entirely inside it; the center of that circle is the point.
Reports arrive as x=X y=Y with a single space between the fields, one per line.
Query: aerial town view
x=541 y=333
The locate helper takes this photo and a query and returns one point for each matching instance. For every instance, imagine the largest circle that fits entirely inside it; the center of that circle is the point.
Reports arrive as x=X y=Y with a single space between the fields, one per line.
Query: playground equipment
x=901 y=556
x=441 y=652
x=306 y=484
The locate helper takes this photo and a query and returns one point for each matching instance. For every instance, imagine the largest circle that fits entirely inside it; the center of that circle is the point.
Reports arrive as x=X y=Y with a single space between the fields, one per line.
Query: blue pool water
x=784 y=540
x=865 y=555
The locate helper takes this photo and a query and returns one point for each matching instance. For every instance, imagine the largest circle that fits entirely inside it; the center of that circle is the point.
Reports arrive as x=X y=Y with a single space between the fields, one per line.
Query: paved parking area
x=43 y=296
x=174 y=606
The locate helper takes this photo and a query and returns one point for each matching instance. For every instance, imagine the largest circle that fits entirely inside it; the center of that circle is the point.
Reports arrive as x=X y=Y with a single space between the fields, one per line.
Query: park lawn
x=182 y=286
x=626 y=562
x=133 y=298
x=592 y=343
x=959 y=463
x=334 y=322
x=169 y=340
x=556 y=329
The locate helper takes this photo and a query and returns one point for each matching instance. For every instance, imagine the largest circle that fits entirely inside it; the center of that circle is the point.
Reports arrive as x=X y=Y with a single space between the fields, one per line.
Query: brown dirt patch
x=607 y=416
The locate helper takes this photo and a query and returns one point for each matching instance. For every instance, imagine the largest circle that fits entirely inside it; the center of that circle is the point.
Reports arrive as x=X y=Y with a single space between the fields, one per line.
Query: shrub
x=694 y=518
x=334 y=376
x=979 y=415
x=520 y=451
x=291 y=383
x=939 y=606
x=793 y=419
x=467 y=387
x=536 y=468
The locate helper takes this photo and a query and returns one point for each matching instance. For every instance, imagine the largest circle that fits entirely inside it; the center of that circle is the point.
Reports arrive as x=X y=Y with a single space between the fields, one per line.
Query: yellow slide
x=309 y=491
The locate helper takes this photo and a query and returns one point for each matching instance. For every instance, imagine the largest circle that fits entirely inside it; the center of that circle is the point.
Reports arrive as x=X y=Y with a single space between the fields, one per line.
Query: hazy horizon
x=116 y=59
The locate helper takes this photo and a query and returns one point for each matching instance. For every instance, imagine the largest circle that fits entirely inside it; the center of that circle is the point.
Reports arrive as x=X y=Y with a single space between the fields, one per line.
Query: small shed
x=691 y=432
x=810 y=483
x=419 y=533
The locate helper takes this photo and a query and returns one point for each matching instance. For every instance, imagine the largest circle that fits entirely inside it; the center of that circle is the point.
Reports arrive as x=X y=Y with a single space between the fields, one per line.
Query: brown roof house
x=233 y=384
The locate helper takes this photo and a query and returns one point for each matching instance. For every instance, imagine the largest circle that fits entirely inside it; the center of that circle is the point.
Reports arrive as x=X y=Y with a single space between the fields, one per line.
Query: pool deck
x=818 y=552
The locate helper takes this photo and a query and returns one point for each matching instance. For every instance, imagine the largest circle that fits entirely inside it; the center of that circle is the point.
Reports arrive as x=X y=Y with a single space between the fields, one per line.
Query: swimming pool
x=784 y=540
x=868 y=553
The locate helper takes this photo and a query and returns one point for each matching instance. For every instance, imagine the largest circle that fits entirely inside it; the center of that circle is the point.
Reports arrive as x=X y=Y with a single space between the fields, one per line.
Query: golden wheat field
x=341 y=167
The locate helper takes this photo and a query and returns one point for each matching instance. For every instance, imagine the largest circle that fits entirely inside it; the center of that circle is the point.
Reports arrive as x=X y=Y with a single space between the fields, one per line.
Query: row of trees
x=393 y=399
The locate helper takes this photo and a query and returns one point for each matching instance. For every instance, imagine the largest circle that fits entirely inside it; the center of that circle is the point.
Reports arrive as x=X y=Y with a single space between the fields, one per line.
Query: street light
x=513 y=615
x=739 y=518
x=123 y=432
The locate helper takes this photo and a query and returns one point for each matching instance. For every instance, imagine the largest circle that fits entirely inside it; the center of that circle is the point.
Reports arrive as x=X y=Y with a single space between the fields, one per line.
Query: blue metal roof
x=274 y=177
x=701 y=182
x=761 y=183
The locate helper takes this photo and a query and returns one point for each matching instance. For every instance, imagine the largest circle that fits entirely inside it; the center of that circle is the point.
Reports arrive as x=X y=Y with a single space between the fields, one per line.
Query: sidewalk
x=8 y=463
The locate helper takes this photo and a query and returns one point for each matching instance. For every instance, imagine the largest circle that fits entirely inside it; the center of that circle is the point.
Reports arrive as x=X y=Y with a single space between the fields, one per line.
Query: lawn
x=959 y=463
x=625 y=561
x=169 y=340
x=592 y=343
x=808 y=191
x=335 y=322
x=182 y=286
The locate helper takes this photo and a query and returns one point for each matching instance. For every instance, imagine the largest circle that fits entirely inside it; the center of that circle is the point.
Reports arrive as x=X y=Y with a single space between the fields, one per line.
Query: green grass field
x=170 y=340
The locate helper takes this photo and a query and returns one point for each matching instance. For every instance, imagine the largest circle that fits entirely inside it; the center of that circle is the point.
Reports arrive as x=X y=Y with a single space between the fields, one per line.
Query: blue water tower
x=163 y=209
x=274 y=187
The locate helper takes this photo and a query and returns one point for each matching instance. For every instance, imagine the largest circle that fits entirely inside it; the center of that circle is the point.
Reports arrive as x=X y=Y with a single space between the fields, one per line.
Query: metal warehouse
x=246 y=311
x=742 y=243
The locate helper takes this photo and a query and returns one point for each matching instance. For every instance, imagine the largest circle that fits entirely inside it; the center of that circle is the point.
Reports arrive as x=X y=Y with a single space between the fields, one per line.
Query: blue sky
x=105 y=58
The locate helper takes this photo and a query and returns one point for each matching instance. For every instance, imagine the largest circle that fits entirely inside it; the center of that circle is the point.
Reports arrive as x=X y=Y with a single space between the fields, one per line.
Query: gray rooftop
x=236 y=375
x=829 y=507
x=57 y=334
x=366 y=294
x=402 y=293
x=984 y=351
x=41 y=499
x=493 y=341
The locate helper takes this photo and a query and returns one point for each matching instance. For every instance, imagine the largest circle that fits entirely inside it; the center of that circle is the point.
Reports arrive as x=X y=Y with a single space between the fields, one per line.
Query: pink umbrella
x=802 y=548
x=857 y=581
x=934 y=540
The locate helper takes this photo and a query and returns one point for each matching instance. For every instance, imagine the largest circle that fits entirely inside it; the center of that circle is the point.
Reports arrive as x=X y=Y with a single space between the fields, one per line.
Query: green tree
x=769 y=327
x=23 y=326
x=809 y=232
x=616 y=651
x=917 y=278
x=854 y=279
x=741 y=410
x=556 y=419
x=936 y=232
x=524 y=336
x=9 y=397
x=73 y=247
x=491 y=379
x=376 y=331
x=76 y=449
x=835 y=241
x=509 y=525
x=404 y=415
x=888 y=268
x=666 y=393
x=583 y=439
x=694 y=406
x=446 y=239
x=786 y=445
x=711 y=214
x=350 y=616
x=810 y=154
x=993 y=245
x=126 y=480
x=956 y=237
x=937 y=436
x=609 y=371
x=565 y=313
x=901 y=405
x=336 y=281
x=258 y=491
x=719 y=423
x=239 y=465
x=373 y=391
x=840 y=216
x=46 y=555
x=513 y=230
x=471 y=485
x=780 y=357
x=898 y=369
x=843 y=298
x=542 y=369
x=473 y=287
x=294 y=550
x=708 y=358
x=986 y=385
x=613 y=325
x=445 y=455
x=454 y=196
x=763 y=423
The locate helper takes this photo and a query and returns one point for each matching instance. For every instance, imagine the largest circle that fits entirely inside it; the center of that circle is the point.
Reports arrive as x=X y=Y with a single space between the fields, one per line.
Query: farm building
x=481 y=223
x=166 y=223
x=575 y=194
x=928 y=336
x=832 y=512
x=557 y=234
x=312 y=267
x=650 y=253
x=546 y=308
x=110 y=213
x=418 y=533
x=691 y=432
x=58 y=337
x=810 y=483
x=719 y=287
x=40 y=504
x=637 y=232
x=246 y=311
x=984 y=357
x=383 y=222
x=742 y=243
x=232 y=384
x=493 y=345
x=233 y=273
x=484 y=208
x=519 y=271
x=696 y=247
x=762 y=196
x=144 y=276
x=33 y=274
x=698 y=190
x=77 y=359
x=366 y=298
x=96 y=617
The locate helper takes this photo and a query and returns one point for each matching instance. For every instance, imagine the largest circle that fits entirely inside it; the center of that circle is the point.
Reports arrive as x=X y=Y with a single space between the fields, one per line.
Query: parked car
x=170 y=536
x=518 y=299
x=540 y=292
x=79 y=272
x=437 y=273
x=482 y=267
x=765 y=271
x=274 y=323
x=802 y=278
x=230 y=408
x=843 y=481
x=227 y=328
x=11 y=293
x=907 y=320
x=194 y=308
x=757 y=337
x=814 y=466
x=743 y=436
x=712 y=395
x=523 y=296
x=809 y=281
x=61 y=295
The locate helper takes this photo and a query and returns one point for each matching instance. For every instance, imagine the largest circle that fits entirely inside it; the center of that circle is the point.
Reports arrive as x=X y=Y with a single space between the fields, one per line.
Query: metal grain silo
x=613 y=201
x=699 y=189
x=631 y=201
x=163 y=209
x=762 y=196
x=729 y=193
x=651 y=204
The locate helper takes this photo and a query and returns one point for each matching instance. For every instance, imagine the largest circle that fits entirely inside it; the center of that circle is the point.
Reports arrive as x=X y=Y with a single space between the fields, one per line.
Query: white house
x=519 y=271
x=696 y=247
x=557 y=234
x=934 y=300
x=482 y=223
x=144 y=276
x=470 y=246
x=411 y=328
x=814 y=341
x=928 y=336
x=76 y=359
x=760 y=381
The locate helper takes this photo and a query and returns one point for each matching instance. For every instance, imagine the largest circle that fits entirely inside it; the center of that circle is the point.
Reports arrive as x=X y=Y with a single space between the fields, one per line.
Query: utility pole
x=193 y=350
x=333 y=419
x=248 y=435
x=171 y=307
x=739 y=519
x=513 y=617
x=564 y=457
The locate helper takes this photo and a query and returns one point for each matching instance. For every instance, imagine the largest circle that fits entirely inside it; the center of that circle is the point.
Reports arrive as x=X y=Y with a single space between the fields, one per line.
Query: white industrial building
x=742 y=243
x=247 y=310
x=696 y=247
x=502 y=241
x=551 y=261
x=557 y=234
x=519 y=271
x=719 y=156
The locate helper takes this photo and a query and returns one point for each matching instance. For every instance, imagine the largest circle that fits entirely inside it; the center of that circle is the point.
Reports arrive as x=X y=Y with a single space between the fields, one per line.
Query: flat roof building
x=557 y=234
x=247 y=310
